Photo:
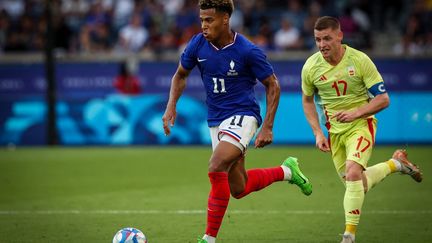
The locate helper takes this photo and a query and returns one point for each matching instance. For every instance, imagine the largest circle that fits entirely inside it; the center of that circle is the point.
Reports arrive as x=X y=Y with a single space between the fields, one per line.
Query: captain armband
x=377 y=89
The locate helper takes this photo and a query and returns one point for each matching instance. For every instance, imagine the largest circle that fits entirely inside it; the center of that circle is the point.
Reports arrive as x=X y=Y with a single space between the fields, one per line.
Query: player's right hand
x=168 y=120
x=322 y=143
x=264 y=137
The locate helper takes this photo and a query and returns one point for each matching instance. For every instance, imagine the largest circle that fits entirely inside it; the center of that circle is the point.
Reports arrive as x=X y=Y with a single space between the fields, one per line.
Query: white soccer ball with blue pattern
x=129 y=235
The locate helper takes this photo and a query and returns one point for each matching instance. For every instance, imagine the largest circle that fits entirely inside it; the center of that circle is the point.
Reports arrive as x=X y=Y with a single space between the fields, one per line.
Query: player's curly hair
x=326 y=22
x=225 y=6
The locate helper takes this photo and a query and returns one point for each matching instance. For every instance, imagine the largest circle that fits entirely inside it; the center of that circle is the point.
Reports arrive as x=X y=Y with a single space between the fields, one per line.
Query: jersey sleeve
x=260 y=67
x=188 y=58
x=306 y=82
x=370 y=73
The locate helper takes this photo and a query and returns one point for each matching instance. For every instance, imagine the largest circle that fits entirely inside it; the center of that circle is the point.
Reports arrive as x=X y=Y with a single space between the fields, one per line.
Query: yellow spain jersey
x=341 y=87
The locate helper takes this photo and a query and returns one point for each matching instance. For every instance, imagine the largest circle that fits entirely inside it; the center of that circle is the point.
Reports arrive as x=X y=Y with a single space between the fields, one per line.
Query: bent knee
x=237 y=191
x=219 y=164
x=353 y=177
x=237 y=194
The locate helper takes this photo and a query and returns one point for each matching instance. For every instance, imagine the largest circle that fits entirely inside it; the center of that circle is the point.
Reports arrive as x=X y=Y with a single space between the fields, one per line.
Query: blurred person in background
x=121 y=11
x=95 y=25
x=288 y=36
x=95 y=33
x=294 y=13
x=314 y=12
x=133 y=36
x=127 y=82
x=416 y=32
x=14 y=8
x=74 y=11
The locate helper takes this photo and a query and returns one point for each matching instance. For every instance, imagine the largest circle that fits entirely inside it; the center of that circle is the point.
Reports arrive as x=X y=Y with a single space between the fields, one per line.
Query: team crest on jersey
x=232 y=71
x=351 y=71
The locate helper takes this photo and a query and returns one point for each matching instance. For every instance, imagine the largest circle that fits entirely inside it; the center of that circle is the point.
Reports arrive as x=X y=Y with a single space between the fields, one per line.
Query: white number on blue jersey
x=216 y=88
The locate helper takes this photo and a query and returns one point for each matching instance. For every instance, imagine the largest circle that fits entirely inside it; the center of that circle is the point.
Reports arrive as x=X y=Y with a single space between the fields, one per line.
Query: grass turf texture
x=88 y=194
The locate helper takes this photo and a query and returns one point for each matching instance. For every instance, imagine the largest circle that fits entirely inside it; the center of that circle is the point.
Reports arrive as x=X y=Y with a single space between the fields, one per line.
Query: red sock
x=261 y=178
x=217 y=201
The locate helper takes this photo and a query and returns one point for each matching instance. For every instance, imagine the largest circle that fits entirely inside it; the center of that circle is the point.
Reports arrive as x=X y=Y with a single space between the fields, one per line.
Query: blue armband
x=377 y=89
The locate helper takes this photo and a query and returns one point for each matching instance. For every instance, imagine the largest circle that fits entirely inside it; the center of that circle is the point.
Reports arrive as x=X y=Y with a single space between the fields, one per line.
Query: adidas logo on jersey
x=358 y=155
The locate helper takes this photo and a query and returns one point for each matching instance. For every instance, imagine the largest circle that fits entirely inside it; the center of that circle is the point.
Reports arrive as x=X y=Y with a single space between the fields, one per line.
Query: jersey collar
x=230 y=44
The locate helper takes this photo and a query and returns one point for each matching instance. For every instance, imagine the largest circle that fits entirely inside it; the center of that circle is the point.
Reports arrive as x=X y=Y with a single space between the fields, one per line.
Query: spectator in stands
x=127 y=82
x=95 y=38
x=122 y=10
x=74 y=12
x=314 y=12
x=295 y=13
x=20 y=36
x=349 y=27
x=288 y=36
x=133 y=36
x=95 y=33
x=237 y=19
x=14 y=8
x=95 y=24
x=187 y=16
x=413 y=37
x=264 y=38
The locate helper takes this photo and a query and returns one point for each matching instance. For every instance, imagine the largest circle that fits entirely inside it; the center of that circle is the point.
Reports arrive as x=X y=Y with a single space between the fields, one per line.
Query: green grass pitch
x=87 y=194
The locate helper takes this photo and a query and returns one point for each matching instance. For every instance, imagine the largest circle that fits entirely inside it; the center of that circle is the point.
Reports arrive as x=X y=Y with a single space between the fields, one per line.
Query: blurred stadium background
x=61 y=84
x=77 y=59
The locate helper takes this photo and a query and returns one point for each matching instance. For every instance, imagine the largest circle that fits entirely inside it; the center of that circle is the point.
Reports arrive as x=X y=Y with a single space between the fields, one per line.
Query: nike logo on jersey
x=201 y=60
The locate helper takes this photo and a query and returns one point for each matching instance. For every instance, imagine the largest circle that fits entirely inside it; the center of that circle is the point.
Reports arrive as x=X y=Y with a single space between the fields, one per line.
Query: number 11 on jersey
x=216 y=88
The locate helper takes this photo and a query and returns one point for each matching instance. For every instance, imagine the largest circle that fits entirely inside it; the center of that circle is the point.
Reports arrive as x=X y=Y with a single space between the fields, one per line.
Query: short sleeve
x=188 y=58
x=370 y=73
x=307 y=86
x=260 y=67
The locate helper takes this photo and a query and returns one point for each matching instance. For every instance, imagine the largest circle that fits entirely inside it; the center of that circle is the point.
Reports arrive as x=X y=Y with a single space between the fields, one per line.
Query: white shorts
x=237 y=130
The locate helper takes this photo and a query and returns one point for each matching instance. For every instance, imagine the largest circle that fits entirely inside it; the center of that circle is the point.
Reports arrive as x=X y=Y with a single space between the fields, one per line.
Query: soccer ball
x=129 y=235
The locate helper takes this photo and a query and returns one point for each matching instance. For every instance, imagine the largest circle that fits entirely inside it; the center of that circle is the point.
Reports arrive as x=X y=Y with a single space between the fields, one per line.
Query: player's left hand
x=345 y=116
x=264 y=137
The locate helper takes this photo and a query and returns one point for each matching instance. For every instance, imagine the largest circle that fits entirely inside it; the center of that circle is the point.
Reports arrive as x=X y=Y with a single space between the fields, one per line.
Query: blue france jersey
x=229 y=76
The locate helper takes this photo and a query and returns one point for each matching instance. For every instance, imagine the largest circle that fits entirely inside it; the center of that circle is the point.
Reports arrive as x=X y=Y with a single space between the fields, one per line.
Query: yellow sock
x=353 y=202
x=349 y=228
x=378 y=172
x=392 y=166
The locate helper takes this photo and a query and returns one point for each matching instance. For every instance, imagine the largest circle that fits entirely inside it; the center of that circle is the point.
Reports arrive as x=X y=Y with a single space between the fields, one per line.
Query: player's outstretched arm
x=312 y=117
x=265 y=136
x=178 y=83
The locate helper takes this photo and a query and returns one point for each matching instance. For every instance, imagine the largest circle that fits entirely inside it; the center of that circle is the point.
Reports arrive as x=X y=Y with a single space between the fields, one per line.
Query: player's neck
x=225 y=39
x=335 y=59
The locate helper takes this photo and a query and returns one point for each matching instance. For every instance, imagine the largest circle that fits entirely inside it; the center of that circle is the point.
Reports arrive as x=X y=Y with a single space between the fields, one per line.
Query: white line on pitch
x=191 y=212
